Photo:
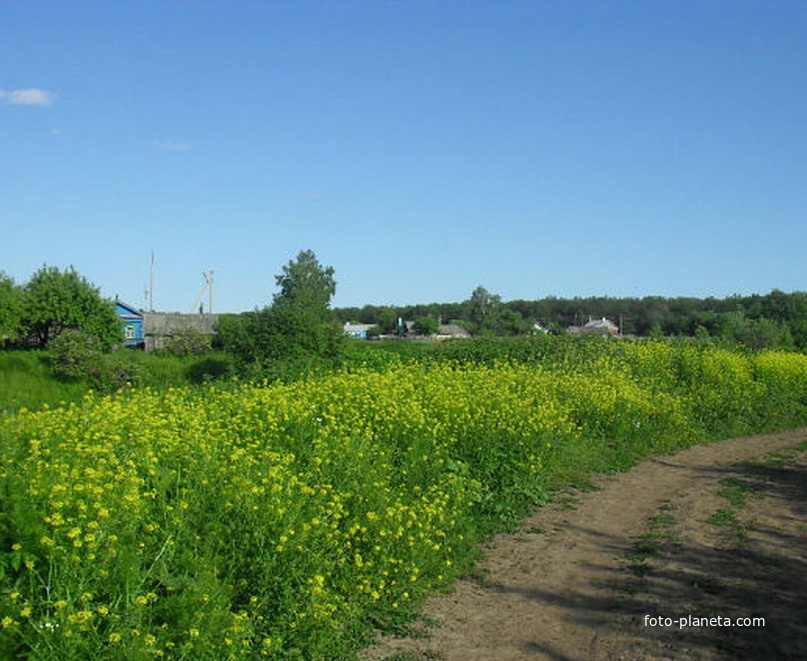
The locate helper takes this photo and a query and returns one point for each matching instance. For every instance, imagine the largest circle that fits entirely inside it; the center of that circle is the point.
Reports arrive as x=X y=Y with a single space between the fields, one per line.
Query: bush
x=188 y=342
x=77 y=356
x=208 y=369
x=74 y=354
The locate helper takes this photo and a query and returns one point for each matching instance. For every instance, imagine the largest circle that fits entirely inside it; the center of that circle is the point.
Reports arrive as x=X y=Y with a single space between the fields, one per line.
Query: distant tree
x=702 y=333
x=374 y=332
x=299 y=324
x=54 y=300
x=426 y=326
x=507 y=322
x=766 y=334
x=188 y=342
x=798 y=331
x=481 y=304
x=11 y=309
x=305 y=283
x=386 y=319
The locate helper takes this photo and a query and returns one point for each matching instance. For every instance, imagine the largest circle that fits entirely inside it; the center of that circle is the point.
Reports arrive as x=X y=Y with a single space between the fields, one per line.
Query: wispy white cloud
x=27 y=97
x=173 y=146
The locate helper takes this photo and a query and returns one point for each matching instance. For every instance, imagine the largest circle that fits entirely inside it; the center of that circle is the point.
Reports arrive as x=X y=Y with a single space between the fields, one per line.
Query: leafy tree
x=188 y=342
x=702 y=333
x=78 y=356
x=298 y=325
x=481 y=305
x=11 y=308
x=386 y=319
x=426 y=326
x=54 y=300
x=798 y=331
x=507 y=322
x=74 y=354
x=306 y=284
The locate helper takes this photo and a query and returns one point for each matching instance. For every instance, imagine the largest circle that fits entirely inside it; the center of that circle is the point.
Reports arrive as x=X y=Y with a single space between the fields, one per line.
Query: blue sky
x=421 y=148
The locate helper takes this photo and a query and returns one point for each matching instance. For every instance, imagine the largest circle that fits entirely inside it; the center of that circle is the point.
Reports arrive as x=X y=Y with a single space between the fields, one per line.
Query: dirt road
x=716 y=530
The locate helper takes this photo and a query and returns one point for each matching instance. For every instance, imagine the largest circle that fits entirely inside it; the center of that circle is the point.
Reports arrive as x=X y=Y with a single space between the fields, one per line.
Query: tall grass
x=26 y=381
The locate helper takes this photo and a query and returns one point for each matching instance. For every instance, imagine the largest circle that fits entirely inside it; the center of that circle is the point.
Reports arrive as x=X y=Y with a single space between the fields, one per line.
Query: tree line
x=773 y=319
x=299 y=322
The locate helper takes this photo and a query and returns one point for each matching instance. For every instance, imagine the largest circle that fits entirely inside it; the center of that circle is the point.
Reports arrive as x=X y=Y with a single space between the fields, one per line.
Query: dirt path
x=701 y=533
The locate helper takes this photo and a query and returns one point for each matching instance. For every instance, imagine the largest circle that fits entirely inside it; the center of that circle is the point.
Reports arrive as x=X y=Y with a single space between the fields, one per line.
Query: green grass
x=26 y=381
x=660 y=529
x=736 y=491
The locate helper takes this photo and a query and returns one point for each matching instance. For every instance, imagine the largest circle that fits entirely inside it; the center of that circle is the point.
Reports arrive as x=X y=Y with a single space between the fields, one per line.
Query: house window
x=130 y=332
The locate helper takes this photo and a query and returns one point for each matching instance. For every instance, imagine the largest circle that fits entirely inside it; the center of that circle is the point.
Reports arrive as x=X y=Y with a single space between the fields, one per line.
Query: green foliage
x=486 y=314
x=386 y=319
x=374 y=332
x=298 y=328
x=54 y=300
x=26 y=381
x=481 y=305
x=11 y=309
x=188 y=342
x=77 y=356
x=208 y=369
x=762 y=333
x=426 y=326
x=282 y=521
x=798 y=331
x=305 y=283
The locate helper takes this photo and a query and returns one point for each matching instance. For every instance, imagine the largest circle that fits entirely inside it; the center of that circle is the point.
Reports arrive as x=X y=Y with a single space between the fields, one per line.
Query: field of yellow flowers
x=285 y=521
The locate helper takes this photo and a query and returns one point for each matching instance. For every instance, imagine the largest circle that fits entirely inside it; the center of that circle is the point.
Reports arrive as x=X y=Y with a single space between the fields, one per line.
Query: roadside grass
x=736 y=491
x=661 y=530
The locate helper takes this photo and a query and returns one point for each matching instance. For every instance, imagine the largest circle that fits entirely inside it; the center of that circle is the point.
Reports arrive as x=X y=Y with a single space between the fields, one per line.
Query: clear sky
x=420 y=147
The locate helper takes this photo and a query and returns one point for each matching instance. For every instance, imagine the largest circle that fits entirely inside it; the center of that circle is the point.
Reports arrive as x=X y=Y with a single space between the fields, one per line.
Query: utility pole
x=151 y=284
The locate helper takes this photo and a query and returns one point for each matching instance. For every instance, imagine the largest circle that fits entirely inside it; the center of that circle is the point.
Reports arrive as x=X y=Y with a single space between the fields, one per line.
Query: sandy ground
x=669 y=538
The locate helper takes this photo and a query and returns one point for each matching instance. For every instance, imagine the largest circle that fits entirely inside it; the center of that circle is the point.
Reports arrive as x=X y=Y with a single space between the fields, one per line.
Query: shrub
x=188 y=342
x=77 y=356
x=74 y=355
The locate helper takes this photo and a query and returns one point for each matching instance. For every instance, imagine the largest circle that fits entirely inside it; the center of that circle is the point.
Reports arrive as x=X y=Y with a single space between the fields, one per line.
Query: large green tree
x=305 y=283
x=10 y=309
x=427 y=326
x=54 y=300
x=298 y=325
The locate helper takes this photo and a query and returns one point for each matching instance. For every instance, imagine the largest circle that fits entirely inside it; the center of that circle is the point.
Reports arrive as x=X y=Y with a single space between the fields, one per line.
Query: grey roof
x=169 y=323
x=454 y=330
x=357 y=328
x=600 y=323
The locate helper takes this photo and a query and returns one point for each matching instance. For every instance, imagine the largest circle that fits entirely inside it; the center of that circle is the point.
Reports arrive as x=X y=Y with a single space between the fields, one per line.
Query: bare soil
x=715 y=530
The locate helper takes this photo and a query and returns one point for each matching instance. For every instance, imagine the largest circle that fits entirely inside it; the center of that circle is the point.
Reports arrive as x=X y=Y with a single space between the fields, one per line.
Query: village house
x=600 y=326
x=150 y=330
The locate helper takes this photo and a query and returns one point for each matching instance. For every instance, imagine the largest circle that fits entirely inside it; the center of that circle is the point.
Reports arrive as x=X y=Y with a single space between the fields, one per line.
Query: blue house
x=132 y=320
